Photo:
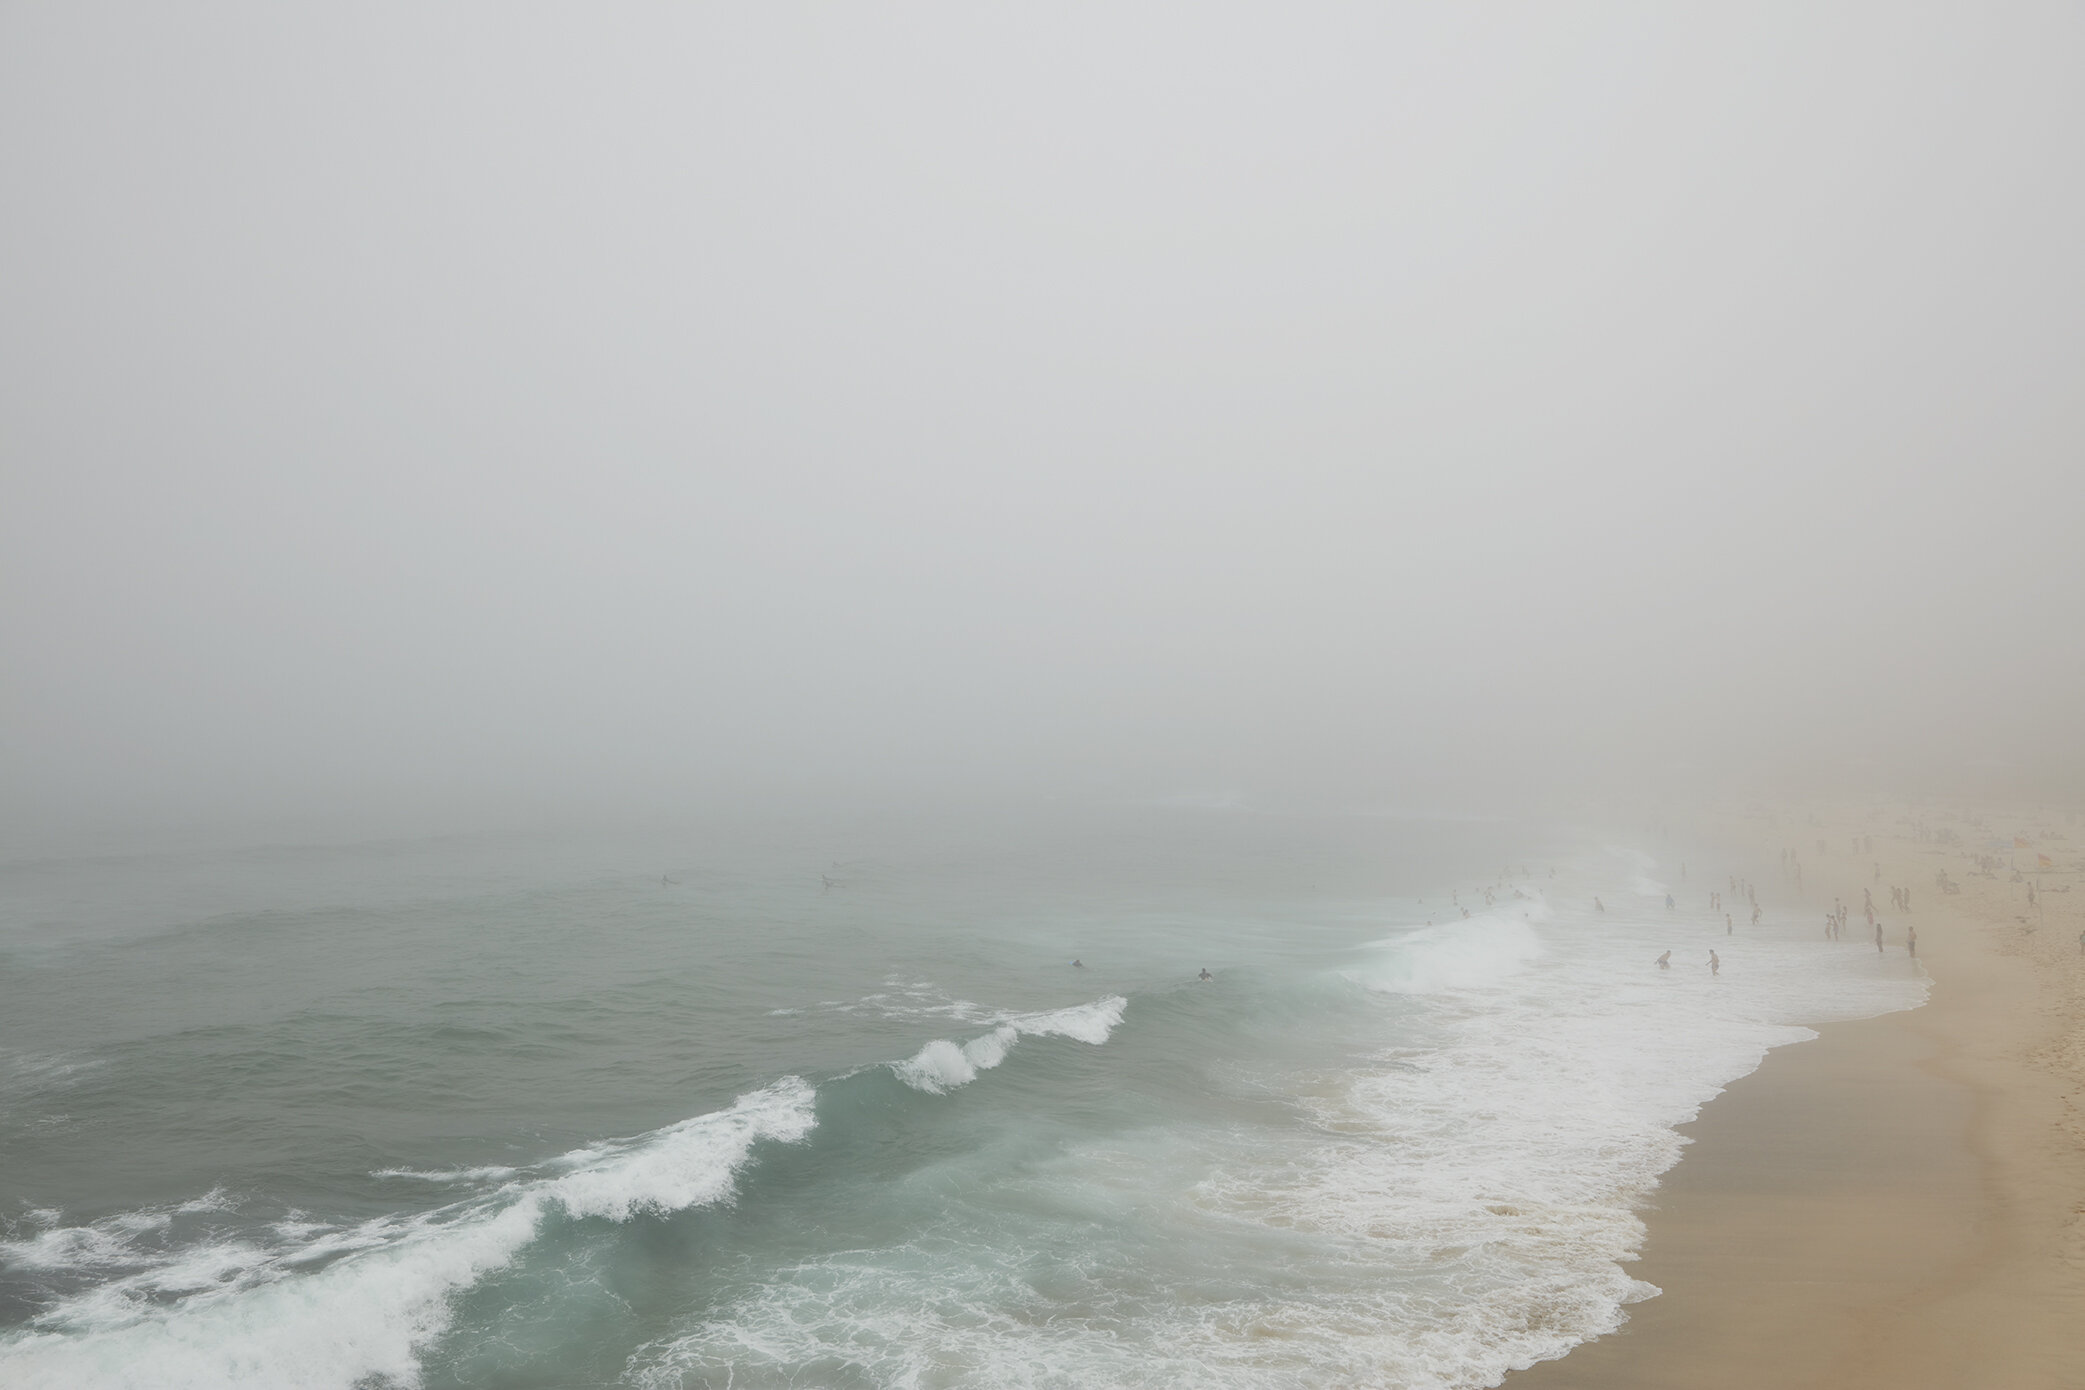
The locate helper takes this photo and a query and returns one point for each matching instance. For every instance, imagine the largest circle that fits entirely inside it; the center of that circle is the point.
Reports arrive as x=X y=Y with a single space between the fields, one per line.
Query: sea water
x=829 y=1104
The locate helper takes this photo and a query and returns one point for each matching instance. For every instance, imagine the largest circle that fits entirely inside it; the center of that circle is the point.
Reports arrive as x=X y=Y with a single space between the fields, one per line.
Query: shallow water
x=828 y=1105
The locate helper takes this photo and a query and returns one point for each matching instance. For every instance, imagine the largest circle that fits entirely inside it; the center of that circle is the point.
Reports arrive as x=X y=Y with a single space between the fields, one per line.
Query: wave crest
x=941 y=1066
x=256 y=1317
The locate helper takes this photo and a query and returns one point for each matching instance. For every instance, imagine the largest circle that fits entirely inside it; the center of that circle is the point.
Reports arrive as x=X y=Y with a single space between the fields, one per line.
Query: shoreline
x=1899 y=1202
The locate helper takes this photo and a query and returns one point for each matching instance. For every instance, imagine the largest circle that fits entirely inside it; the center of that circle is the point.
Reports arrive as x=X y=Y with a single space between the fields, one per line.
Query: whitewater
x=836 y=1108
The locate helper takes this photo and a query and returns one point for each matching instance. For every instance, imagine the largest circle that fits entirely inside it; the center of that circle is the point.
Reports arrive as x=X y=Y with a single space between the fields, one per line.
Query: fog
x=470 y=408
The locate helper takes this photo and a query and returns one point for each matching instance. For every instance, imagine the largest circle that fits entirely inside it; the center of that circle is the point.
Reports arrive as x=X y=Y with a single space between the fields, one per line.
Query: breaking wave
x=343 y=1306
x=942 y=1065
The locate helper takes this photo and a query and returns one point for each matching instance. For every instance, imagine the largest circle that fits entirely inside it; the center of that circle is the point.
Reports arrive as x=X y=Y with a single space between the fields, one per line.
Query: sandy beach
x=1900 y=1203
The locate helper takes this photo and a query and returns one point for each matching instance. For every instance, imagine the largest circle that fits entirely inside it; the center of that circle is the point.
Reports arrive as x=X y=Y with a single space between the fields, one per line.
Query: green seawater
x=821 y=1103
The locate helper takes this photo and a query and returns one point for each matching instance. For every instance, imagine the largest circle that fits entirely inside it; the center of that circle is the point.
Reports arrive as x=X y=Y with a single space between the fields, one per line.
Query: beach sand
x=1900 y=1203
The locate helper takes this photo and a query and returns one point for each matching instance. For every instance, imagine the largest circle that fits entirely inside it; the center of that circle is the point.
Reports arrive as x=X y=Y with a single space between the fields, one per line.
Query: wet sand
x=1899 y=1203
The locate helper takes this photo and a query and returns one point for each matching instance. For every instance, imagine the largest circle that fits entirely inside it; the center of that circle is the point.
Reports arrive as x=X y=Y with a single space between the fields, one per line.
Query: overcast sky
x=494 y=405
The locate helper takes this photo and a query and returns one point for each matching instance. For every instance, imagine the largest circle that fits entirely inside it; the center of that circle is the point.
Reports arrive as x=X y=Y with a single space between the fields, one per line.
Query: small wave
x=492 y=1173
x=36 y=1074
x=244 y=1315
x=216 y=1199
x=941 y=1066
x=900 y=1000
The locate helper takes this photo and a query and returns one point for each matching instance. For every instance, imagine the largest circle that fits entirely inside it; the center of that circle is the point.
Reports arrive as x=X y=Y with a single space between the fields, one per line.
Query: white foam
x=937 y=1068
x=489 y=1173
x=905 y=1001
x=1457 y=956
x=1463 y=1204
x=1089 y=1023
x=252 y=1317
x=942 y=1065
x=71 y=1247
x=29 y=1073
x=691 y=1164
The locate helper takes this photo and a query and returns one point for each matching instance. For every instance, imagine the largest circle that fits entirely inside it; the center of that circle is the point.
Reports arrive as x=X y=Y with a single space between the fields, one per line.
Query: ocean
x=868 y=1102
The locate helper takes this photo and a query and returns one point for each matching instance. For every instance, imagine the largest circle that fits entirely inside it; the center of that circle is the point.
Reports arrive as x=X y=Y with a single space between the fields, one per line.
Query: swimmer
x=1077 y=964
x=1665 y=961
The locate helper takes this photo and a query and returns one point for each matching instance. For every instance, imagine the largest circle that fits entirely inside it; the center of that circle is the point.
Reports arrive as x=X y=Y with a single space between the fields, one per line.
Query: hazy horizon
x=462 y=413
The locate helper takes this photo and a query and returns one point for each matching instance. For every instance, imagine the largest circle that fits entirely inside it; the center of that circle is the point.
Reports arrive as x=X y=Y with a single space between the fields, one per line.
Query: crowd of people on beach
x=1721 y=901
x=1835 y=920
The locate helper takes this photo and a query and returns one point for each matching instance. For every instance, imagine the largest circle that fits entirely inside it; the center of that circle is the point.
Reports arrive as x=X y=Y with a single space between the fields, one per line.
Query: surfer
x=1205 y=975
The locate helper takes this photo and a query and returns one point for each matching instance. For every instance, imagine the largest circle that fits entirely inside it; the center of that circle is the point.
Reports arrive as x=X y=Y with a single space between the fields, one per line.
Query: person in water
x=1668 y=902
x=1077 y=964
x=1205 y=975
x=1665 y=961
x=1715 y=965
